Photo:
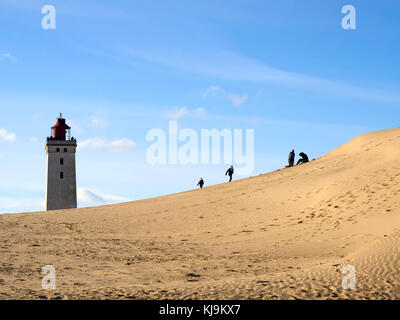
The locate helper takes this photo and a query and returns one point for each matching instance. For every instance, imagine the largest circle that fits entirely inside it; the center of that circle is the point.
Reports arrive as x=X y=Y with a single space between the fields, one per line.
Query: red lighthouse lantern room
x=61 y=131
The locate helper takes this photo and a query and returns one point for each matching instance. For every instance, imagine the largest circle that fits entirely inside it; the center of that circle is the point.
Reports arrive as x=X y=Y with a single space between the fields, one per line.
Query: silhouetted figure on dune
x=291 y=159
x=201 y=183
x=230 y=173
x=304 y=158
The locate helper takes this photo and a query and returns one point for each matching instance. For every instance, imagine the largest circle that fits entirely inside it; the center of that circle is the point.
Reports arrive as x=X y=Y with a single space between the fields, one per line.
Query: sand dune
x=283 y=235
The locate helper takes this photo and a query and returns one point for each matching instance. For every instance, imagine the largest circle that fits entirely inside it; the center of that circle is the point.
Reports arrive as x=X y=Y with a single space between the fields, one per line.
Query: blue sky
x=117 y=69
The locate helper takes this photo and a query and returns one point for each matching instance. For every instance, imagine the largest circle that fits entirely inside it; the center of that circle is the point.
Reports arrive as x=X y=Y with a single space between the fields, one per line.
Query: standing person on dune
x=201 y=183
x=230 y=173
x=291 y=159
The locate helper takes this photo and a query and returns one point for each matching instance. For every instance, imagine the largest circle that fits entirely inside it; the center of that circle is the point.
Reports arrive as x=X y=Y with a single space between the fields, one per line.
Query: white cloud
x=177 y=113
x=85 y=197
x=7 y=136
x=199 y=112
x=88 y=197
x=15 y=205
x=8 y=57
x=180 y=112
x=235 y=99
x=229 y=66
x=212 y=90
x=113 y=146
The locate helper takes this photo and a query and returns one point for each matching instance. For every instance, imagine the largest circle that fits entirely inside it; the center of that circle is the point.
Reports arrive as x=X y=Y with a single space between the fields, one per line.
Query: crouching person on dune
x=304 y=158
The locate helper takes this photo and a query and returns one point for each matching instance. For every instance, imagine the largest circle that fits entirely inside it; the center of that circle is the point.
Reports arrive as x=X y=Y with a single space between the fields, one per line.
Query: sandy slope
x=282 y=235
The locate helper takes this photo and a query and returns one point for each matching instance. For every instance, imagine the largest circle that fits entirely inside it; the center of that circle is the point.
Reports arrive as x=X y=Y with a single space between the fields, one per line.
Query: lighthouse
x=61 y=172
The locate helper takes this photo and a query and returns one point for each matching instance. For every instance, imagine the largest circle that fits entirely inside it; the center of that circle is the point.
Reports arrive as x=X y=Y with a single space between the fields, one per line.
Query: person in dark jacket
x=291 y=158
x=201 y=183
x=304 y=158
x=230 y=173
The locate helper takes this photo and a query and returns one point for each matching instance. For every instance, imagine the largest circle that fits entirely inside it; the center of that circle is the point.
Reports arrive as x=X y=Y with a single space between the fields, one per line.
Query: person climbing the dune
x=201 y=183
x=230 y=173
x=304 y=158
x=291 y=159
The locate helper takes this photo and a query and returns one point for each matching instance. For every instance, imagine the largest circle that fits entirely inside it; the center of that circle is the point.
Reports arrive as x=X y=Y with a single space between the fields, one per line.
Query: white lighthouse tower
x=61 y=172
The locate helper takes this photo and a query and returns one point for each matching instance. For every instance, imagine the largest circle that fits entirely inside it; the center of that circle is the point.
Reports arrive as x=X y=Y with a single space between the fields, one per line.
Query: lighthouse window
x=58 y=149
x=65 y=149
x=61 y=175
x=61 y=161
